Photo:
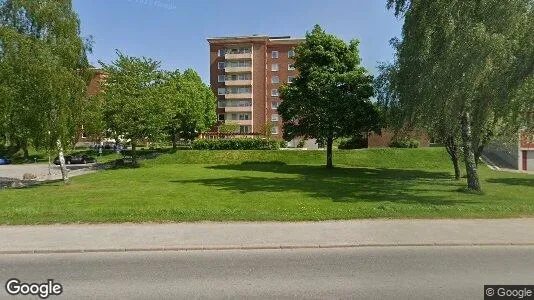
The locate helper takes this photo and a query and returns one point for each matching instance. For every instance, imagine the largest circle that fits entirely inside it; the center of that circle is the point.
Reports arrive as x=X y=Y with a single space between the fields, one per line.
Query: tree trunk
x=452 y=150
x=478 y=153
x=25 y=150
x=473 y=182
x=64 y=171
x=134 y=155
x=174 y=141
x=329 y=143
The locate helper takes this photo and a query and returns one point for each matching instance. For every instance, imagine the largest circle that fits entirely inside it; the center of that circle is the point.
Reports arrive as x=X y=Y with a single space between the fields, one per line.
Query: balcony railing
x=232 y=56
x=247 y=82
x=238 y=109
x=241 y=69
x=239 y=122
x=238 y=96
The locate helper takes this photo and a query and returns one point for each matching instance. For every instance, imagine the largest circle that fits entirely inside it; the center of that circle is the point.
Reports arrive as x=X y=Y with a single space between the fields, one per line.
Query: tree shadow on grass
x=339 y=184
x=528 y=182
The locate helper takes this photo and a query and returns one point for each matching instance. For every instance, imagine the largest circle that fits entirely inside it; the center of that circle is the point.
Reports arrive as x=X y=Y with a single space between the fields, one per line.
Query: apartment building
x=245 y=74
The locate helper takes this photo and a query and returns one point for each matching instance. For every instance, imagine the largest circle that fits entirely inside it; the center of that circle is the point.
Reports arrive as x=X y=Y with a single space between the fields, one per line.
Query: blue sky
x=175 y=31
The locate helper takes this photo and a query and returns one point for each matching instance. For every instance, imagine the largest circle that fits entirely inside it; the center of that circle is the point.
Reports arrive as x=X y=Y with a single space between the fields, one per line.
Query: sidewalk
x=217 y=236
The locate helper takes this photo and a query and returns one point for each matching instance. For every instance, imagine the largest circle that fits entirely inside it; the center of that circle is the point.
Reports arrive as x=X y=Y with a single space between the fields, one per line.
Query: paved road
x=363 y=273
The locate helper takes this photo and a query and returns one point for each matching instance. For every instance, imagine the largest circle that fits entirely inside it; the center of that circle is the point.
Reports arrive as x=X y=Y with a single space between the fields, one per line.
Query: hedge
x=353 y=143
x=236 y=144
x=404 y=143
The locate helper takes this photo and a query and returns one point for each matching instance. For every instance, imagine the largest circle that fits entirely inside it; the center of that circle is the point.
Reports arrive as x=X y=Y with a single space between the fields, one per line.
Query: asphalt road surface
x=356 y=273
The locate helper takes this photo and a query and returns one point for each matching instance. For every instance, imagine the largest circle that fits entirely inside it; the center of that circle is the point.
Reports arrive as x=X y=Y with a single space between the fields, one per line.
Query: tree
x=460 y=65
x=135 y=106
x=330 y=98
x=42 y=59
x=400 y=116
x=192 y=105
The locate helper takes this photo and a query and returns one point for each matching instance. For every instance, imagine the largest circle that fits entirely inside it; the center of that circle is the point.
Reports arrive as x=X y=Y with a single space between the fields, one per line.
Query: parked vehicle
x=4 y=161
x=76 y=159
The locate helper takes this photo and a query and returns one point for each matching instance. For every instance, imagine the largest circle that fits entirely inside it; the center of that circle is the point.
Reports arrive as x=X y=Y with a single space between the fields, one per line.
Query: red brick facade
x=384 y=140
x=95 y=85
x=527 y=140
x=262 y=61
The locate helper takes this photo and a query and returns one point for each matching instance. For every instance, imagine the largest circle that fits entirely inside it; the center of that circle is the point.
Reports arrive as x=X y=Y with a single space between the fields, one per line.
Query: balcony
x=238 y=96
x=238 y=56
x=238 y=69
x=231 y=109
x=238 y=82
x=239 y=122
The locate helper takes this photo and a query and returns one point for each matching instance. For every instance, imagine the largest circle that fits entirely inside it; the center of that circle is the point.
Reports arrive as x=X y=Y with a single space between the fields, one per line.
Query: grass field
x=272 y=185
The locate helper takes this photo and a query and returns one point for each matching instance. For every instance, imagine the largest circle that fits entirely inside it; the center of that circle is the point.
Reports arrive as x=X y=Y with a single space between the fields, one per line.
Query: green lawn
x=272 y=185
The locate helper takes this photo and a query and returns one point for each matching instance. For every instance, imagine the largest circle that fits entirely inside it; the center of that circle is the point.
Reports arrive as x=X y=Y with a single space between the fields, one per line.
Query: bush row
x=404 y=143
x=353 y=143
x=236 y=144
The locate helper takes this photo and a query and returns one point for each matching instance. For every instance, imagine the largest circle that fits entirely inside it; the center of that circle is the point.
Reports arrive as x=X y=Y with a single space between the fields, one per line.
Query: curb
x=255 y=247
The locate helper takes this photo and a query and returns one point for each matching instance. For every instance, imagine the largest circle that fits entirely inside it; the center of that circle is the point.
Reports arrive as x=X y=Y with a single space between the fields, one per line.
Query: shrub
x=353 y=143
x=283 y=144
x=404 y=142
x=236 y=144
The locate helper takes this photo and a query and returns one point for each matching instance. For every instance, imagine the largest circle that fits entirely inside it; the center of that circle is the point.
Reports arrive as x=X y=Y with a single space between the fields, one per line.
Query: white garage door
x=530 y=160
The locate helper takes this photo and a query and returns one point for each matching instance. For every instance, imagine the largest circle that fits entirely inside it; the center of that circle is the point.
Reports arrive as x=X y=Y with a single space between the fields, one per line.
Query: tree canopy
x=193 y=105
x=460 y=67
x=134 y=106
x=330 y=98
x=42 y=61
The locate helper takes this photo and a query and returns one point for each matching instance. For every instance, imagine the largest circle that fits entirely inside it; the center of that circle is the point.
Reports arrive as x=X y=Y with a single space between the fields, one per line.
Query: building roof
x=255 y=37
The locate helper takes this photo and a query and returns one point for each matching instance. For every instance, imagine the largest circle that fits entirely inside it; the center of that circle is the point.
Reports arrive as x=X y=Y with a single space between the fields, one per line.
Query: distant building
x=245 y=74
x=93 y=88
x=526 y=152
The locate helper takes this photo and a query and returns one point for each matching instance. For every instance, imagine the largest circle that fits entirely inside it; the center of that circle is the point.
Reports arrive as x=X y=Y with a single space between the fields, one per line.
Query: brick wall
x=527 y=140
x=384 y=140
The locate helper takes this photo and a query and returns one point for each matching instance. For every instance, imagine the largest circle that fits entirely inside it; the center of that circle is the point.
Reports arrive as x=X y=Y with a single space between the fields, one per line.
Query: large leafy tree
x=192 y=104
x=42 y=61
x=330 y=98
x=460 y=67
x=134 y=106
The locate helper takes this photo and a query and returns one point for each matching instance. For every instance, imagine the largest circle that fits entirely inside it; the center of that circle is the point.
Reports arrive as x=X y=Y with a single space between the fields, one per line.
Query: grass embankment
x=272 y=186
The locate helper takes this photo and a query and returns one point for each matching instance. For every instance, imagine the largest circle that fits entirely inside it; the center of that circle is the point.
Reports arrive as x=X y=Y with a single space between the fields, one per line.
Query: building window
x=290 y=79
x=274 y=54
x=221 y=104
x=221 y=91
x=221 y=52
x=244 y=129
x=221 y=78
x=274 y=105
x=274 y=67
x=275 y=79
x=221 y=117
x=244 y=117
x=291 y=53
x=221 y=65
x=275 y=93
x=274 y=130
x=274 y=117
x=243 y=50
x=233 y=77
x=291 y=67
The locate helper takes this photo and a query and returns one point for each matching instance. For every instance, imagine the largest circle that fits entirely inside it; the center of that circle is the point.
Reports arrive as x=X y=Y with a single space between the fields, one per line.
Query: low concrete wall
x=503 y=156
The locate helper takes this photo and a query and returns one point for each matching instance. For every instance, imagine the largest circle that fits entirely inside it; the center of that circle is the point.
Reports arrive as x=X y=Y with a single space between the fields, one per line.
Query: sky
x=174 y=32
